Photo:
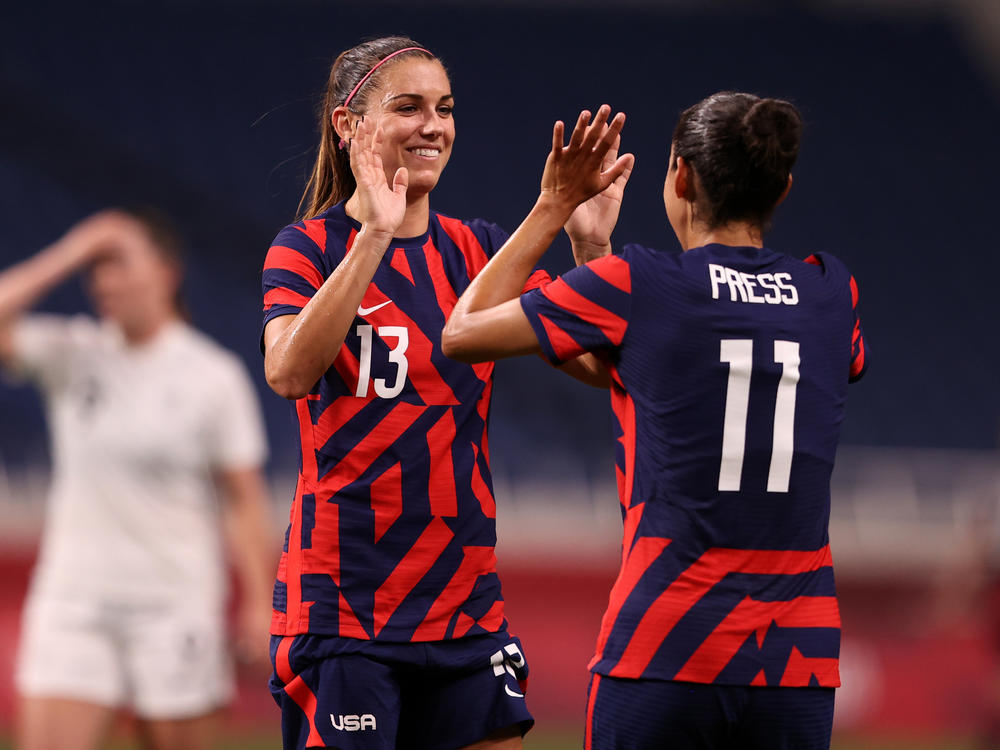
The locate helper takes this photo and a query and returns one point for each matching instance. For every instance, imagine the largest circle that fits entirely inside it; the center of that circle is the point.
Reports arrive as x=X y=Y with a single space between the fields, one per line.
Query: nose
x=433 y=124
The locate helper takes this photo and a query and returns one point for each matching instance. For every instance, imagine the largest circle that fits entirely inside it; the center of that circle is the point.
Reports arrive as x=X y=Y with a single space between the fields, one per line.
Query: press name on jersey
x=742 y=286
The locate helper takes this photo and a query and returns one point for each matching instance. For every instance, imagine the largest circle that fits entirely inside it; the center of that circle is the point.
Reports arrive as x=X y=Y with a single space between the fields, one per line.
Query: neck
x=140 y=332
x=415 y=220
x=417 y=216
x=735 y=235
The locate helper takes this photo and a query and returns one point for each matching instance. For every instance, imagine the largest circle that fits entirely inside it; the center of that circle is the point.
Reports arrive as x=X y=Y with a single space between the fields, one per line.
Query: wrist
x=68 y=253
x=377 y=237
x=585 y=251
x=552 y=206
x=590 y=243
x=587 y=243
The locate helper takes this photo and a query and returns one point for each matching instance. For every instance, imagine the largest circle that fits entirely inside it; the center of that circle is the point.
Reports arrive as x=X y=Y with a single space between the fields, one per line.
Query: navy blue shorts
x=353 y=694
x=634 y=714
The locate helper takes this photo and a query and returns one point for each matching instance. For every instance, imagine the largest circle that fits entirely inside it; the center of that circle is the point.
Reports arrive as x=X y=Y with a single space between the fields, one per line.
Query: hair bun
x=772 y=129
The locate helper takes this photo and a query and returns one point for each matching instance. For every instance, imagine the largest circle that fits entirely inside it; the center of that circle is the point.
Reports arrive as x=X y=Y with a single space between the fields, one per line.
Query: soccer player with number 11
x=729 y=366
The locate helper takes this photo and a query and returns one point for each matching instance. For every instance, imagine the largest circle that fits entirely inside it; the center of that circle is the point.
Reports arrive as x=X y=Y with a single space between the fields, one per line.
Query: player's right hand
x=576 y=172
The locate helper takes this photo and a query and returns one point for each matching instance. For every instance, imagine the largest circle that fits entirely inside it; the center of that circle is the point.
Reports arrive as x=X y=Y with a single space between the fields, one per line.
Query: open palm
x=580 y=170
x=382 y=206
x=593 y=220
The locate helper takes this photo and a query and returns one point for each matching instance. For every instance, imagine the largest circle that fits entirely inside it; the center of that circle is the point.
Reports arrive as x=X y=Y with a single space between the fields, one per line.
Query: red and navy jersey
x=729 y=369
x=393 y=525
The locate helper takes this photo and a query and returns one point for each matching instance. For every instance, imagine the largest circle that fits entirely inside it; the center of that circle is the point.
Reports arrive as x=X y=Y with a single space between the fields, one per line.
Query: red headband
x=378 y=65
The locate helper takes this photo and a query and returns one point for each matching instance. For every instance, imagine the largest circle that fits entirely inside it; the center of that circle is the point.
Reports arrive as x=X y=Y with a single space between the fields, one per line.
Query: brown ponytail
x=331 y=180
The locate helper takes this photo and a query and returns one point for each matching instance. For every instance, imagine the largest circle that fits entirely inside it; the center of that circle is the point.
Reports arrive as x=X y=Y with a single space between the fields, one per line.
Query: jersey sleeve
x=293 y=272
x=859 y=359
x=44 y=346
x=584 y=310
x=236 y=437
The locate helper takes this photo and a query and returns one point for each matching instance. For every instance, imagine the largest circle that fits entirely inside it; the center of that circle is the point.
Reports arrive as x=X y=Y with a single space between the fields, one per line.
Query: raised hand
x=103 y=232
x=578 y=171
x=382 y=206
x=590 y=226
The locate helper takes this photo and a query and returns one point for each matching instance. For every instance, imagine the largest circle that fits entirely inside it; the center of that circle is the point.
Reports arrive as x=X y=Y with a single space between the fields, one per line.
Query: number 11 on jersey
x=739 y=354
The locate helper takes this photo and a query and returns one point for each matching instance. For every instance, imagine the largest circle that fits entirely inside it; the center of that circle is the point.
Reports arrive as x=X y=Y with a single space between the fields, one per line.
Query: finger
x=622 y=168
x=400 y=181
x=373 y=145
x=612 y=155
x=611 y=136
x=622 y=180
x=558 y=135
x=597 y=128
x=359 y=143
x=580 y=130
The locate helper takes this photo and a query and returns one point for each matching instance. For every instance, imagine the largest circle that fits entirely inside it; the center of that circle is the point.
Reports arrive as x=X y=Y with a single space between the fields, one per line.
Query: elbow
x=285 y=383
x=449 y=345
x=287 y=388
x=454 y=342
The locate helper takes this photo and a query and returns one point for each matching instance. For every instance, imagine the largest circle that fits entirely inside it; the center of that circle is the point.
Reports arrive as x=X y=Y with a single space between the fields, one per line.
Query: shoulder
x=615 y=269
x=635 y=253
x=318 y=234
x=647 y=263
x=79 y=331
x=833 y=272
x=53 y=349
x=214 y=362
x=827 y=265
x=79 y=325
x=467 y=233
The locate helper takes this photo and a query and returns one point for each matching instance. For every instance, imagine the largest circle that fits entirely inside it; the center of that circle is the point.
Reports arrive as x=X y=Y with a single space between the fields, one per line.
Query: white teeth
x=426 y=152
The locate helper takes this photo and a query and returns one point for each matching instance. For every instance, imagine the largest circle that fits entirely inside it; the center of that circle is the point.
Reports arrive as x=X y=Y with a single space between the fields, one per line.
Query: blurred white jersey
x=137 y=435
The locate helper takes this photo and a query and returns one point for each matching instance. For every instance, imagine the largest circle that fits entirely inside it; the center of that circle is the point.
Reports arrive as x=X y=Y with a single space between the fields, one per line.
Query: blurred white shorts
x=162 y=662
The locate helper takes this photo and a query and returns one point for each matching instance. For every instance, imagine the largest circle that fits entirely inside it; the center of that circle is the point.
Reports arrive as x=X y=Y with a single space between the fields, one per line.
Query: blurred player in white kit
x=151 y=423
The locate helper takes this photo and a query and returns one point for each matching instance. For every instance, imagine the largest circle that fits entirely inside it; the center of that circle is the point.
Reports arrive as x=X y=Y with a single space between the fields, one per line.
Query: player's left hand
x=576 y=172
x=594 y=220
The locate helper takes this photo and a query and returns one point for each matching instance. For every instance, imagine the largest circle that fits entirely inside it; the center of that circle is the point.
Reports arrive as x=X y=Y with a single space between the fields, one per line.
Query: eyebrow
x=416 y=96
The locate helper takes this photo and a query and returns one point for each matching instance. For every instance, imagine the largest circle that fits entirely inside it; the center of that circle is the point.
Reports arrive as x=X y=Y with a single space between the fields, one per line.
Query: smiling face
x=413 y=106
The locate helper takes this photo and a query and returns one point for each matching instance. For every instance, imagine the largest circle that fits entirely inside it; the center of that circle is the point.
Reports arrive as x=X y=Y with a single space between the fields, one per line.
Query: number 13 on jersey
x=397 y=356
x=739 y=354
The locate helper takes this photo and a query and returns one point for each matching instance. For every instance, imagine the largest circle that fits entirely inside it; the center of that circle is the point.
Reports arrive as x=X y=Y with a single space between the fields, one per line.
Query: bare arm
x=25 y=283
x=589 y=229
x=479 y=329
x=298 y=349
x=254 y=551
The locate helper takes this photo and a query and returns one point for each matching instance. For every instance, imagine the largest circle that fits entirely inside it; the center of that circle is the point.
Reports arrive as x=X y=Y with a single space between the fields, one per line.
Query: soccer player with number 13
x=388 y=625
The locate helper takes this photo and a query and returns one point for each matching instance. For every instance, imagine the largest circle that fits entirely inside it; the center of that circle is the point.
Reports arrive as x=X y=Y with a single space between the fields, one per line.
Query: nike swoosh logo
x=362 y=311
x=511 y=693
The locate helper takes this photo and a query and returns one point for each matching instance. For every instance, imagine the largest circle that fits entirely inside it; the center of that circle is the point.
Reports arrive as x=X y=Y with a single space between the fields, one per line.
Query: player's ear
x=784 y=193
x=684 y=182
x=344 y=122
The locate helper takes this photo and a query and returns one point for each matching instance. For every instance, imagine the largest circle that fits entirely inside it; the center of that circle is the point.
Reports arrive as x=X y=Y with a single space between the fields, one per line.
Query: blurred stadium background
x=207 y=110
